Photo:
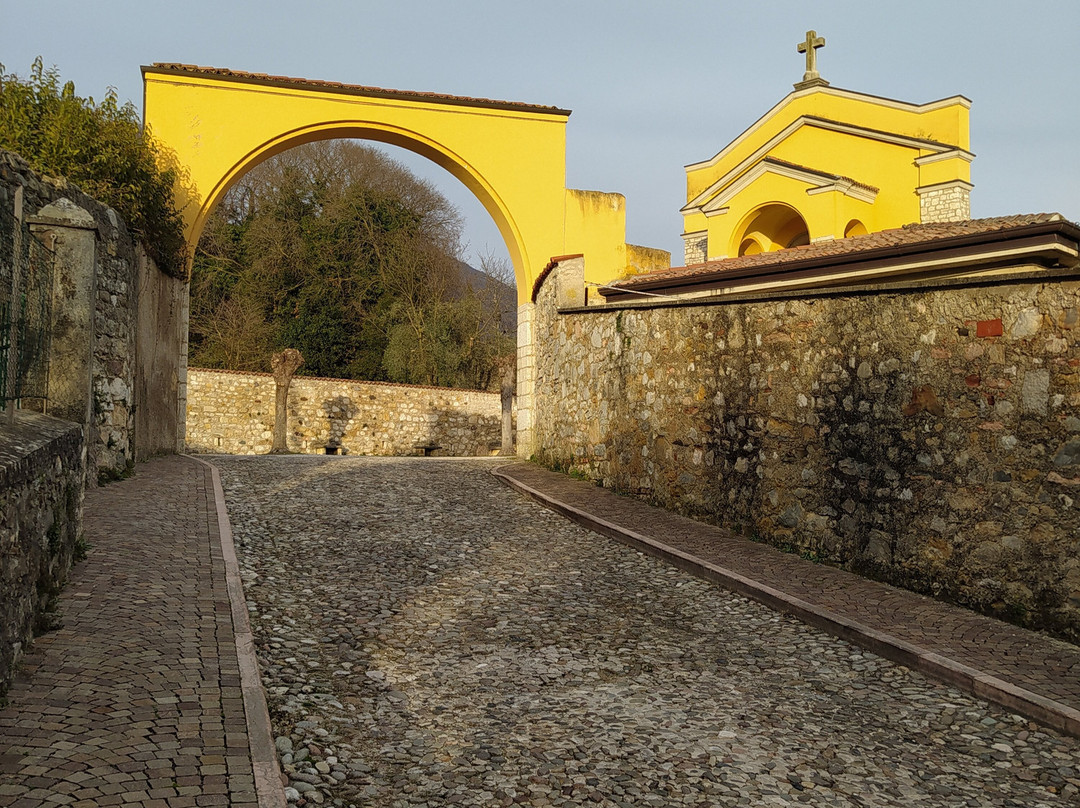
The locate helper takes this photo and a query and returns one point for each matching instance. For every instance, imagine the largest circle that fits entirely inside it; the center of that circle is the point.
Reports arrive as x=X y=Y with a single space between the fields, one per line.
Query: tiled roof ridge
x=368 y=382
x=1013 y=218
x=908 y=235
x=225 y=72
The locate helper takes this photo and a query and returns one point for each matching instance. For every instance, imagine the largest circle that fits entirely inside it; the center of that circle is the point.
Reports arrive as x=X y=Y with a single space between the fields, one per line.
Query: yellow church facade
x=826 y=163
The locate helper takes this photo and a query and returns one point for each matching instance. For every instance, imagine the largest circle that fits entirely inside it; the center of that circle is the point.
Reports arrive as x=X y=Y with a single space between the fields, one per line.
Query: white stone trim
x=718 y=205
x=847 y=188
x=963 y=154
x=945 y=186
x=698 y=202
x=835 y=91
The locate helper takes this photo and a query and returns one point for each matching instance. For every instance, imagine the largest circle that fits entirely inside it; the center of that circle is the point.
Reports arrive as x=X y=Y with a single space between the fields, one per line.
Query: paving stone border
x=263 y=757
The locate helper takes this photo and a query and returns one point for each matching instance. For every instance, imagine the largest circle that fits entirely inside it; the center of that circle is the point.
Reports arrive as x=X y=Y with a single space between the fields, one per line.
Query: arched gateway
x=217 y=124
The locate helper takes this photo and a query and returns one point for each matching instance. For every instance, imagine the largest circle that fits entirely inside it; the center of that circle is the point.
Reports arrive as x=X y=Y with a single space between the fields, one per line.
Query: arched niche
x=855 y=228
x=769 y=228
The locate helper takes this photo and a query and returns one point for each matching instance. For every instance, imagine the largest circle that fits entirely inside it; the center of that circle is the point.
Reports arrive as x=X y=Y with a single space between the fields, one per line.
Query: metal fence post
x=11 y=377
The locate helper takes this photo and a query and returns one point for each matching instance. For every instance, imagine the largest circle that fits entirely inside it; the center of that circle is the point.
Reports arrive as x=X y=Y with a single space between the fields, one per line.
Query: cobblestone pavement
x=136 y=701
x=1024 y=670
x=429 y=637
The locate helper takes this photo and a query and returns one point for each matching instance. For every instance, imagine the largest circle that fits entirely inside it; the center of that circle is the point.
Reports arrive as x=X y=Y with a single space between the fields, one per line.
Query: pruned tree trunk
x=508 y=373
x=284 y=365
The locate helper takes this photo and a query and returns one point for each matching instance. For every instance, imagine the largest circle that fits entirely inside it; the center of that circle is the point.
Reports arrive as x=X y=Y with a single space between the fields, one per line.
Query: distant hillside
x=503 y=295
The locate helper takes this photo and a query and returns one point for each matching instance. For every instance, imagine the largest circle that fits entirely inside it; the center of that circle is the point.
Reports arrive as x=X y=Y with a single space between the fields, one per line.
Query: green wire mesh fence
x=26 y=275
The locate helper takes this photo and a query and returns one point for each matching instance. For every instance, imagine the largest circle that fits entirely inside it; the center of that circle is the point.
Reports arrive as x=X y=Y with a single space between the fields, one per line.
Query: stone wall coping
x=29 y=442
x=365 y=382
x=55 y=221
x=64 y=213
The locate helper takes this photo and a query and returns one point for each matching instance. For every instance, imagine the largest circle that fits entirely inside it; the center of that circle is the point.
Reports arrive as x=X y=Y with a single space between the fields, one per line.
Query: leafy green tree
x=102 y=148
x=347 y=257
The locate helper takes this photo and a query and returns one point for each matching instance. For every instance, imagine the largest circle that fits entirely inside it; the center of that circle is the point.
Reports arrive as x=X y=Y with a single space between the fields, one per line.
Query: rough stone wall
x=945 y=203
x=930 y=438
x=233 y=413
x=41 y=490
x=112 y=426
x=115 y=327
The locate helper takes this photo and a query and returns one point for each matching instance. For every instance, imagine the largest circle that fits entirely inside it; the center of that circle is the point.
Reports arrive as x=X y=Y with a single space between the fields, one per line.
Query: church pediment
x=943 y=122
x=839 y=162
x=815 y=182
x=924 y=151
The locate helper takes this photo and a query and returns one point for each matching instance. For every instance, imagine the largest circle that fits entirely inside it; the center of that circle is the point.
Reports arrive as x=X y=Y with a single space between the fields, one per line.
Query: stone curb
x=264 y=762
x=1061 y=717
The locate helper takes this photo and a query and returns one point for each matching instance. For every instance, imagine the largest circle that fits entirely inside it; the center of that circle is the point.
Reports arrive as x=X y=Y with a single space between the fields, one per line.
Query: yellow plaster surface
x=511 y=156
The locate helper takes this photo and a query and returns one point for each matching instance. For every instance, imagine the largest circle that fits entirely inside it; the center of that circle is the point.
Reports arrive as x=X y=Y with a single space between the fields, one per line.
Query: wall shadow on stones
x=888 y=431
x=339 y=411
x=231 y=412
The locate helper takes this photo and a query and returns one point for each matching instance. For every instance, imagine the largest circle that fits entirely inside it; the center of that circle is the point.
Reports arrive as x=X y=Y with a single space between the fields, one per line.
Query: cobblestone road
x=429 y=637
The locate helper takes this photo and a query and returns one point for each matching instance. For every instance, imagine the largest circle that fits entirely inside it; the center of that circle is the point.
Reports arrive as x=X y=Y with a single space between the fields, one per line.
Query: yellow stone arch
x=382 y=133
x=217 y=124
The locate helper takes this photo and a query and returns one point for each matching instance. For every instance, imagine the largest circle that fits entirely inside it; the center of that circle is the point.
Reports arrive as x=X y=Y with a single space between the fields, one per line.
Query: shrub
x=102 y=148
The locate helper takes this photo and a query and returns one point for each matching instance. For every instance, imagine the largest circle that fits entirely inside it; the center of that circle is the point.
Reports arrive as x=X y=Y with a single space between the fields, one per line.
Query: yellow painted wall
x=877 y=144
x=595 y=226
x=512 y=157
x=646 y=259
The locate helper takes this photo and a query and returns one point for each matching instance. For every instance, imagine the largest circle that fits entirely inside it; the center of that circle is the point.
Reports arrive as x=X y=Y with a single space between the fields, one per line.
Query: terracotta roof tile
x=910 y=235
x=355 y=89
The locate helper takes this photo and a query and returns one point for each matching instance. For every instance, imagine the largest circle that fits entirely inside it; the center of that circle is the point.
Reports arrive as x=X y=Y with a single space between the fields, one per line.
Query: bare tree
x=285 y=364
x=508 y=380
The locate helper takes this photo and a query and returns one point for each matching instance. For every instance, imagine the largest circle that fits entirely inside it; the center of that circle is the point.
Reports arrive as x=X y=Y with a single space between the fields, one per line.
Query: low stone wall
x=233 y=413
x=929 y=436
x=41 y=496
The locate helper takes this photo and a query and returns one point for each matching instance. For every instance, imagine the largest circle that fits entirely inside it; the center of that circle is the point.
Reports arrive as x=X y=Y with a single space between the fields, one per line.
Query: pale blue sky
x=653 y=85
